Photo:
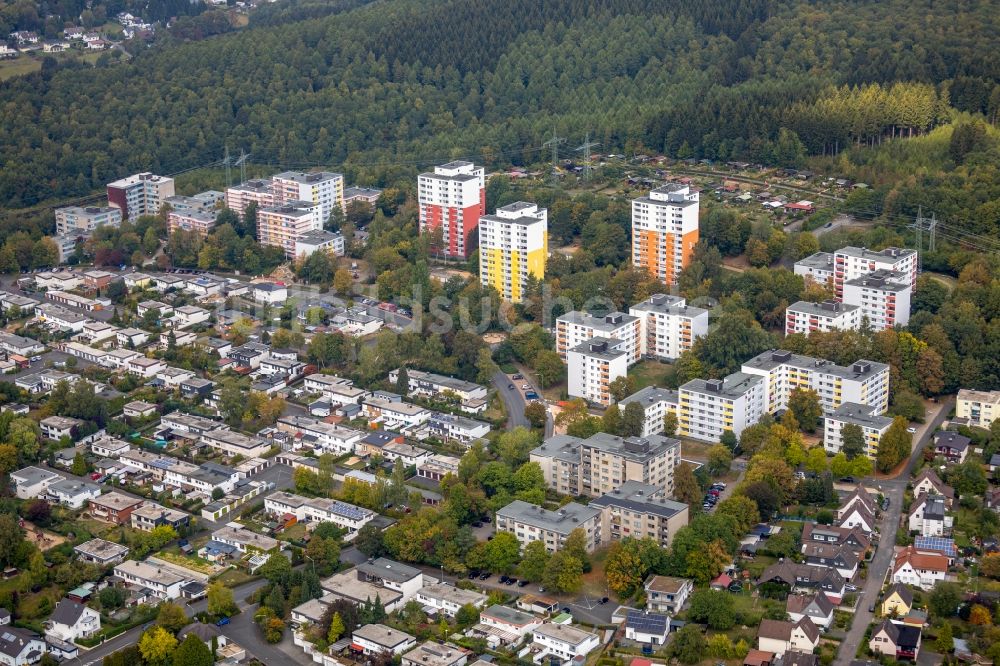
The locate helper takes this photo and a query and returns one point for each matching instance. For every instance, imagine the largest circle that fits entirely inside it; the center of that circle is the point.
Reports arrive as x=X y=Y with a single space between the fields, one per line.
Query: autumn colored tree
x=980 y=616
x=686 y=488
x=157 y=646
x=624 y=569
x=705 y=564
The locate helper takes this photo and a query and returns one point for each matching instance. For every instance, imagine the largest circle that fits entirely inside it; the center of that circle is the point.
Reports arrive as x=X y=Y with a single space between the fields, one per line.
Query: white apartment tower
x=863 y=382
x=593 y=365
x=854 y=262
x=883 y=297
x=324 y=188
x=513 y=244
x=452 y=198
x=281 y=226
x=665 y=231
x=668 y=326
x=574 y=328
x=805 y=317
x=709 y=407
x=140 y=194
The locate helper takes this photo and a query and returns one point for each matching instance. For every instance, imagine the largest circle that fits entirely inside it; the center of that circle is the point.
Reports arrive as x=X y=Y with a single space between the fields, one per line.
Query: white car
x=36 y=359
x=911 y=430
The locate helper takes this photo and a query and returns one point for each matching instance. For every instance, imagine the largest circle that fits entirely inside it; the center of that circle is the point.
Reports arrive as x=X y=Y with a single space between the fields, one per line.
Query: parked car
x=484 y=576
x=911 y=430
x=522 y=583
x=531 y=395
x=223 y=621
x=517 y=376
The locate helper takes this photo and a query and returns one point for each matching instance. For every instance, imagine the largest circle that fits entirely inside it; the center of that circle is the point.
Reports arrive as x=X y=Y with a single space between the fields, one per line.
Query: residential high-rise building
x=238 y=197
x=883 y=296
x=665 y=231
x=199 y=221
x=324 y=188
x=602 y=463
x=574 y=328
x=863 y=382
x=77 y=220
x=452 y=199
x=530 y=522
x=640 y=510
x=140 y=194
x=855 y=262
x=806 y=317
x=668 y=326
x=656 y=403
x=816 y=267
x=282 y=226
x=707 y=408
x=513 y=244
x=866 y=417
x=593 y=365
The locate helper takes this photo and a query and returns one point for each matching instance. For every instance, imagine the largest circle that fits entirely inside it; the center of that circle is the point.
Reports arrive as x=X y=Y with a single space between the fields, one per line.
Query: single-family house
x=898 y=601
x=918 y=569
x=898 y=641
x=779 y=637
x=927 y=516
x=817 y=608
x=72 y=620
x=667 y=594
x=951 y=446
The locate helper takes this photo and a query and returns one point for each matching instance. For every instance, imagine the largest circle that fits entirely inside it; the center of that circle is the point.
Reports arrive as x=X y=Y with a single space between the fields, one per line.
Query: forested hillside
x=413 y=81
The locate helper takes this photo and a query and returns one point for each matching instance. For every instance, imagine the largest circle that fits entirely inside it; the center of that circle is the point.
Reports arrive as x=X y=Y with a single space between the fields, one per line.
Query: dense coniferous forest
x=414 y=81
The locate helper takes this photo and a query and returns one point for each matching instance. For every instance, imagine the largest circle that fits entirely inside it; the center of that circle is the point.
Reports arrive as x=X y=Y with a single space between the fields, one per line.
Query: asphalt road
x=878 y=569
x=513 y=401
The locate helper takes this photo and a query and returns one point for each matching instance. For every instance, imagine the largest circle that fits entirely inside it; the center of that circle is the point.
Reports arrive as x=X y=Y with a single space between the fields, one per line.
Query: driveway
x=878 y=568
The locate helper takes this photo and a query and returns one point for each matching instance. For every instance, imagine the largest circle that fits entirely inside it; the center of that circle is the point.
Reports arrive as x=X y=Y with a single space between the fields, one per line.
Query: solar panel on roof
x=648 y=623
x=942 y=544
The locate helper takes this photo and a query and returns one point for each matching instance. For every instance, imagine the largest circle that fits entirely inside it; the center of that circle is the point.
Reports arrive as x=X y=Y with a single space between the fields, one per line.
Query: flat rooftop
x=770 y=360
x=562 y=521
x=733 y=386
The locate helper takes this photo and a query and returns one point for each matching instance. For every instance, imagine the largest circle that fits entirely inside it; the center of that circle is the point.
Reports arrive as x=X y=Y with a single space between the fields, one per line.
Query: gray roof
x=824 y=309
x=638 y=449
x=563 y=521
x=33 y=475
x=952 y=440
x=508 y=614
x=641 y=498
x=883 y=280
x=858 y=370
x=13 y=640
x=650 y=395
x=560 y=447
x=382 y=635
x=67 y=612
x=390 y=570
x=861 y=415
x=204 y=632
x=820 y=260
x=317 y=237
x=733 y=386
x=443 y=380
x=308 y=178
x=600 y=347
x=667 y=304
x=608 y=323
x=865 y=253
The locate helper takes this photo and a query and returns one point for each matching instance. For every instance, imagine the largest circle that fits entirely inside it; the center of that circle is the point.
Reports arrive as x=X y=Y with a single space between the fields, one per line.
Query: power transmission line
x=585 y=147
x=554 y=144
